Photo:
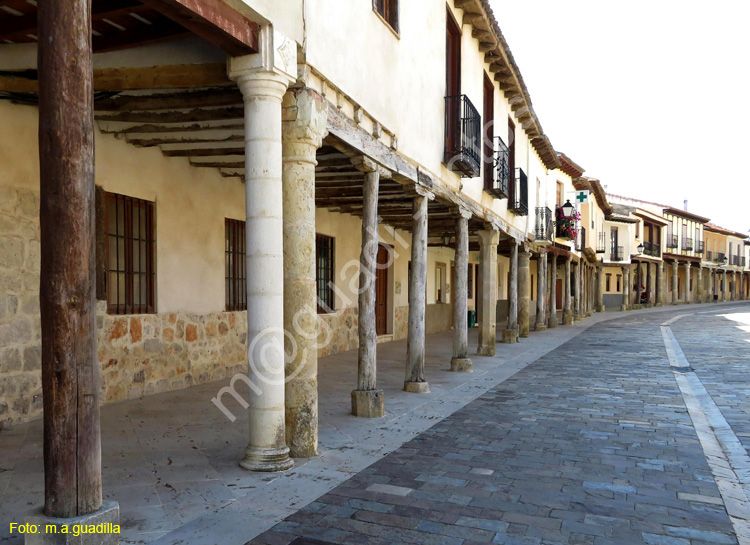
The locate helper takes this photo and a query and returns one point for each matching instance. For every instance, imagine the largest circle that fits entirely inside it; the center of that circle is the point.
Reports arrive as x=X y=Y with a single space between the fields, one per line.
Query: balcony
x=518 y=201
x=601 y=243
x=545 y=228
x=735 y=260
x=743 y=261
x=673 y=242
x=616 y=253
x=699 y=246
x=463 y=140
x=652 y=249
x=501 y=171
x=687 y=244
x=581 y=240
x=717 y=257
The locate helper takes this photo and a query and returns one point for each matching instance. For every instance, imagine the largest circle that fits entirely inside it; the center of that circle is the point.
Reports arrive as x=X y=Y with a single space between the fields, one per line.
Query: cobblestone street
x=591 y=444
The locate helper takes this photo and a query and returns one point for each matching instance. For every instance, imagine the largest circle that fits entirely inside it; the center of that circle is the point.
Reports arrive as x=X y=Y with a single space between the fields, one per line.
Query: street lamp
x=568 y=209
x=640 y=248
x=446 y=239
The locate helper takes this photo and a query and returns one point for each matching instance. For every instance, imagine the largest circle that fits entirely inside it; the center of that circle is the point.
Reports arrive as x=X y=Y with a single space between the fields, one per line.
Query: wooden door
x=489 y=130
x=381 y=292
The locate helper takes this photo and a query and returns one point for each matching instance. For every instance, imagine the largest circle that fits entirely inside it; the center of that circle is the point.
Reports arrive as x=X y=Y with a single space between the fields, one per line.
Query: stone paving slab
x=591 y=444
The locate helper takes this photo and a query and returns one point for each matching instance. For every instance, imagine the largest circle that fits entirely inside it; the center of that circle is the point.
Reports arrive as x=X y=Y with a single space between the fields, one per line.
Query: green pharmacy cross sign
x=582 y=197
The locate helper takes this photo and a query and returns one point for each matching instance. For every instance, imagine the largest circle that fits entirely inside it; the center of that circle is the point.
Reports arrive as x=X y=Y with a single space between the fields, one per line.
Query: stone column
x=567 y=303
x=414 y=380
x=460 y=361
x=625 y=287
x=675 y=282
x=541 y=292
x=553 y=322
x=524 y=293
x=510 y=335
x=651 y=283
x=742 y=286
x=263 y=85
x=367 y=400
x=711 y=285
x=488 y=241
x=577 y=310
x=687 y=282
x=701 y=291
x=660 y=284
x=638 y=281
x=724 y=286
x=303 y=129
x=600 y=291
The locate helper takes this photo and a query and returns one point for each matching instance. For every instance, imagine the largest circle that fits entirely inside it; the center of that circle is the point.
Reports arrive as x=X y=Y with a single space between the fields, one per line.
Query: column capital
x=366 y=164
x=489 y=237
x=304 y=117
x=417 y=190
x=461 y=212
x=277 y=60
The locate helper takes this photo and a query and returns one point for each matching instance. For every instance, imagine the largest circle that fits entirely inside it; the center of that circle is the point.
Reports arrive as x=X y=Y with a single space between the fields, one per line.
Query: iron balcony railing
x=601 y=243
x=581 y=240
x=545 y=227
x=501 y=170
x=616 y=253
x=652 y=248
x=518 y=200
x=463 y=140
x=699 y=246
x=735 y=260
x=718 y=257
x=687 y=244
x=743 y=261
x=673 y=241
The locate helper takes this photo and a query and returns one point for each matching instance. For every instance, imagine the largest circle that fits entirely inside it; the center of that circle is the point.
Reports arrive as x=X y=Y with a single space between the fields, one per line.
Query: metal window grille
x=235 y=265
x=324 y=268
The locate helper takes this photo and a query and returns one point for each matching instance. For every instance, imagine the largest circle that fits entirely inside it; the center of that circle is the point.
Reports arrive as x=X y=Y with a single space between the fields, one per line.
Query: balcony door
x=489 y=130
x=614 y=242
x=452 y=81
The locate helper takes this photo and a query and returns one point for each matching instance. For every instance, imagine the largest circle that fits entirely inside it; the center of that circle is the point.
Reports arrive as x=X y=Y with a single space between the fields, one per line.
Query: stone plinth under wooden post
x=541 y=292
x=460 y=361
x=510 y=335
x=367 y=400
x=303 y=128
x=488 y=241
x=414 y=380
x=524 y=292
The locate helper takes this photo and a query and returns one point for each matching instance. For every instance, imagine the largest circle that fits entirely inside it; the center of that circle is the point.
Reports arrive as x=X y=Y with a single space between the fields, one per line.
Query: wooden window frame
x=488 y=131
x=127 y=238
x=325 y=296
x=387 y=10
x=235 y=265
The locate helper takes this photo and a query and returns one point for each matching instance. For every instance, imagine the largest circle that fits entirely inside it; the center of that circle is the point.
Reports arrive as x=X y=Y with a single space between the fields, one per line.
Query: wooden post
x=675 y=282
x=70 y=371
x=625 y=287
x=414 y=381
x=553 y=293
x=460 y=361
x=524 y=292
x=567 y=304
x=541 y=292
x=510 y=335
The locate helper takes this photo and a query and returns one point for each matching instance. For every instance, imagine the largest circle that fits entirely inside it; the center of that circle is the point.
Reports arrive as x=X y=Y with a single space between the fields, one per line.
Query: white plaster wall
x=287 y=16
x=191 y=204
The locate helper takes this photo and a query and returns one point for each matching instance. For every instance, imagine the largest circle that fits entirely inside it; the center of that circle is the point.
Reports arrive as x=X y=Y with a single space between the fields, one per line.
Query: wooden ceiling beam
x=143 y=35
x=196 y=114
x=213 y=20
x=173 y=101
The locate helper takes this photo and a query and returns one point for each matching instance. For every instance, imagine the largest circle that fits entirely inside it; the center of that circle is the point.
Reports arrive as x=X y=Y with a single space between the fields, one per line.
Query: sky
x=652 y=98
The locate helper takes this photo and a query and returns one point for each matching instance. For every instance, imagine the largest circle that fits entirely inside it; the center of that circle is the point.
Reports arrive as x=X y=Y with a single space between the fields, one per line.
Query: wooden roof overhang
x=122 y=24
x=478 y=14
x=680 y=257
x=685 y=214
x=594 y=186
x=647 y=217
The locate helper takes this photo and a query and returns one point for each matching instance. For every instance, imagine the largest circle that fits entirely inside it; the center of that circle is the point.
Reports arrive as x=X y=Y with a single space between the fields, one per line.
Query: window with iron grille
x=388 y=10
x=324 y=267
x=130 y=260
x=235 y=265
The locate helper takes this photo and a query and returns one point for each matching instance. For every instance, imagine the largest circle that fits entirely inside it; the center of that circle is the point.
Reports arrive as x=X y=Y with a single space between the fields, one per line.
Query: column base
x=461 y=365
x=567 y=318
x=540 y=327
x=601 y=308
x=510 y=336
x=368 y=403
x=417 y=387
x=487 y=351
x=105 y=520
x=624 y=308
x=553 y=322
x=266 y=460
